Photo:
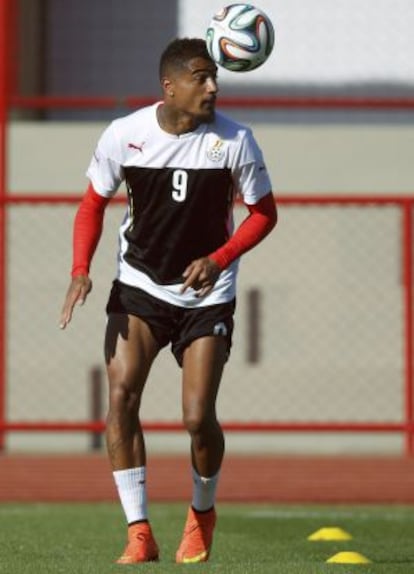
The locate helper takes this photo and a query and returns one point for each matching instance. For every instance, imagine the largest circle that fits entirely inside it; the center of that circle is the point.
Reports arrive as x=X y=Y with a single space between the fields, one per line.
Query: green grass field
x=262 y=539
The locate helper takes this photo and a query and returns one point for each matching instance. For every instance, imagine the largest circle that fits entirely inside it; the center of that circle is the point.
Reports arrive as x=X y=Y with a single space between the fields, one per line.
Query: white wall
x=307 y=157
x=326 y=42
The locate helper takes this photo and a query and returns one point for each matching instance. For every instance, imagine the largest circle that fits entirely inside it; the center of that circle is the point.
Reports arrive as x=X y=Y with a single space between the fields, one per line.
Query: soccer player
x=183 y=165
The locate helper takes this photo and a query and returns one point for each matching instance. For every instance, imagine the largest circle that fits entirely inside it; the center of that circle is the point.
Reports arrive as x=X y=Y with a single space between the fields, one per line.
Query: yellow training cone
x=330 y=533
x=348 y=558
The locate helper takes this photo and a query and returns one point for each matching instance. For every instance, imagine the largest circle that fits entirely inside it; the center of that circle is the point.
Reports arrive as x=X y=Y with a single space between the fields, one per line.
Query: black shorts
x=179 y=326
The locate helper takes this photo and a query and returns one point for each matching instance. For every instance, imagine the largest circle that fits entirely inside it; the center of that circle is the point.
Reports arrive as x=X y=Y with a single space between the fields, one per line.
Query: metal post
x=253 y=325
x=4 y=36
x=96 y=406
x=408 y=296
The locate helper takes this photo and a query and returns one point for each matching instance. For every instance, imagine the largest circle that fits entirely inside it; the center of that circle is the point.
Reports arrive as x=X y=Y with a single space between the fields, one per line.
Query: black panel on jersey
x=166 y=234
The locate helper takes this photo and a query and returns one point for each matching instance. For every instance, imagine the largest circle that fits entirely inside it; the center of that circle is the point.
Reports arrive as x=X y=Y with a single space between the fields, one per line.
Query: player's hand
x=201 y=275
x=78 y=290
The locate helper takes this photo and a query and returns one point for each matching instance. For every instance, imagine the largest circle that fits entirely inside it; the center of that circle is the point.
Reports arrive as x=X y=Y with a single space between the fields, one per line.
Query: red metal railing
x=229 y=426
x=408 y=304
x=4 y=90
x=244 y=102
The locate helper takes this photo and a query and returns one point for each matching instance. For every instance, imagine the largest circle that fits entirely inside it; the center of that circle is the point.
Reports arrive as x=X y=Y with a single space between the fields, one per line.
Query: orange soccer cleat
x=197 y=537
x=141 y=546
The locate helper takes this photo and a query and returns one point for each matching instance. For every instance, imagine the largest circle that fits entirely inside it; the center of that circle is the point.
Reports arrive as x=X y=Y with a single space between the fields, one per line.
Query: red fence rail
x=244 y=102
x=4 y=90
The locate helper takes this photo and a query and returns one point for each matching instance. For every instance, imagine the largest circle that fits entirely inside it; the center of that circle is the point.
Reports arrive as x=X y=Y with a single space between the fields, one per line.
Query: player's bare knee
x=198 y=423
x=123 y=397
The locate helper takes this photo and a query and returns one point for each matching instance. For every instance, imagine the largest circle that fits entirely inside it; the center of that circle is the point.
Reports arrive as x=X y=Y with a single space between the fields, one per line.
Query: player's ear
x=166 y=85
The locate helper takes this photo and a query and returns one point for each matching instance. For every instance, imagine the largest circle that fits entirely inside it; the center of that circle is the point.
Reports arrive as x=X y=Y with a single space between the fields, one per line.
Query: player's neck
x=176 y=122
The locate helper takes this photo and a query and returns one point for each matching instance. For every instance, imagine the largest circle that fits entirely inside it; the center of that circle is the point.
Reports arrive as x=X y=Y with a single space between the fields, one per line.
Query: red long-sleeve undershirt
x=260 y=221
x=87 y=230
x=89 y=223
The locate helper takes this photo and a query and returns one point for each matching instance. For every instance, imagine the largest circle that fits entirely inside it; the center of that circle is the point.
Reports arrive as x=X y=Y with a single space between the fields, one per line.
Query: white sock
x=204 y=491
x=132 y=491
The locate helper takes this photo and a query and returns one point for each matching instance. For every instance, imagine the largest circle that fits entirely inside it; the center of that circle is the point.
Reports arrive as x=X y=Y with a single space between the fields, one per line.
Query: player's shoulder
x=228 y=128
x=141 y=118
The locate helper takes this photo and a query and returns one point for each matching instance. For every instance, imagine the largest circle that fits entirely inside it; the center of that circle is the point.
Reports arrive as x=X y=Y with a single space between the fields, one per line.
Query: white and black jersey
x=181 y=190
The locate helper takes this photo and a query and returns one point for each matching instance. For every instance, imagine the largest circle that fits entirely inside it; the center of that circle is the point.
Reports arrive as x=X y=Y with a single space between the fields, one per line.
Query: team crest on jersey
x=216 y=152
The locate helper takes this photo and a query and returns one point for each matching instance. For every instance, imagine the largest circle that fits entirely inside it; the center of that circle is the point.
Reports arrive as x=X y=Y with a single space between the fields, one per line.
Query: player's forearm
x=87 y=230
x=258 y=224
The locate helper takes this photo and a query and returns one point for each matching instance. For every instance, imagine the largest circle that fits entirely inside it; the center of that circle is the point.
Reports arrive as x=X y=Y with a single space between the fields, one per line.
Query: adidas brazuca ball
x=240 y=37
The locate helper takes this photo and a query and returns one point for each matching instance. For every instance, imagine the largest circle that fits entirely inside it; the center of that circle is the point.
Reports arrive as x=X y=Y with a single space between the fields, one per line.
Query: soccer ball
x=240 y=37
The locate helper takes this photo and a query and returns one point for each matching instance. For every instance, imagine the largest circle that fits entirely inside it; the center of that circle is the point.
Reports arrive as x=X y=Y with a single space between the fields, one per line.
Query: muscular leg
x=130 y=349
x=203 y=364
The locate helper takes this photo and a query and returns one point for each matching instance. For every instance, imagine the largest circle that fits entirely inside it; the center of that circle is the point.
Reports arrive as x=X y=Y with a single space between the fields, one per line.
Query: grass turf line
x=249 y=539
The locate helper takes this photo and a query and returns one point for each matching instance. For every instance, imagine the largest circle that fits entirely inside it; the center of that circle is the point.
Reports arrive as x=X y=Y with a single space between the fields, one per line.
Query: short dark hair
x=180 y=51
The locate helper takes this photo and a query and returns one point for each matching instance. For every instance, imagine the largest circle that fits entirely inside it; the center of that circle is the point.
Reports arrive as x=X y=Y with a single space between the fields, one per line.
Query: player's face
x=195 y=89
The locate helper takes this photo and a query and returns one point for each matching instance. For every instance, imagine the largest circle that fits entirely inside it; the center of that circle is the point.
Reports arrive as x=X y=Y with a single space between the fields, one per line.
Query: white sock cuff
x=205 y=479
x=130 y=476
x=204 y=491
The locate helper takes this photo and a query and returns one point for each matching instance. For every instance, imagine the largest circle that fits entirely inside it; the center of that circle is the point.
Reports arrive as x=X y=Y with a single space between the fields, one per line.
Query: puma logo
x=220 y=329
x=139 y=147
